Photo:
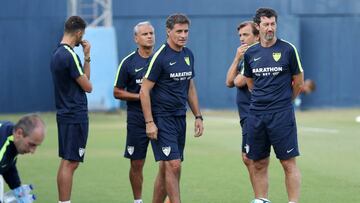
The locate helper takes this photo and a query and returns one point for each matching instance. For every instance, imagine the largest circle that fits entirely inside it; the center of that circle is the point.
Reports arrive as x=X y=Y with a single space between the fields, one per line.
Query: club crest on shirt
x=187 y=60
x=130 y=149
x=166 y=150
x=81 y=152
x=276 y=56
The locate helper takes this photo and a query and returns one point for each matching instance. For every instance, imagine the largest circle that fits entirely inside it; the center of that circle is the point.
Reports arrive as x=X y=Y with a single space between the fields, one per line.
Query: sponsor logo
x=256 y=59
x=138 y=69
x=172 y=63
x=290 y=150
x=267 y=71
x=81 y=152
x=3 y=166
x=130 y=150
x=166 y=150
x=187 y=60
x=276 y=56
x=181 y=75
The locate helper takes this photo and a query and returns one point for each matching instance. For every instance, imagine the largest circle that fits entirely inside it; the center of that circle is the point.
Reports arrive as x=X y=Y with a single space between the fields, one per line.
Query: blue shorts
x=170 y=142
x=244 y=130
x=136 y=140
x=72 y=140
x=276 y=129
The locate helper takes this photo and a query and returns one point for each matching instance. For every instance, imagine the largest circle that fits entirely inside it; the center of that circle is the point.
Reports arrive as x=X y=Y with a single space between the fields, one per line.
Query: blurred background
x=324 y=31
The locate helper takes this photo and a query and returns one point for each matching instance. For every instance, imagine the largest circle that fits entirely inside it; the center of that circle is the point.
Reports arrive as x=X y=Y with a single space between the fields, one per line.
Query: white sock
x=138 y=201
x=65 y=201
x=292 y=202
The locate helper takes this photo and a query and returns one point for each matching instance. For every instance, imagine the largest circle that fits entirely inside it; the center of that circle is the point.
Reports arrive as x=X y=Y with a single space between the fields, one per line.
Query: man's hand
x=240 y=51
x=86 y=48
x=199 y=127
x=151 y=130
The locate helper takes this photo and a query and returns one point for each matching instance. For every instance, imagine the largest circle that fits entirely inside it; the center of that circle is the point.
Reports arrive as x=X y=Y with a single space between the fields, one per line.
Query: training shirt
x=171 y=71
x=70 y=98
x=271 y=69
x=8 y=155
x=243 y=95
x=130 y=75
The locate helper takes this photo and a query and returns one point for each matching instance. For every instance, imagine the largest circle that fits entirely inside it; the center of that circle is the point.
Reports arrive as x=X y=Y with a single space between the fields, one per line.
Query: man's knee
x=137 y=165
x=70 y=165
x=290 y=166
x=246 y=160
x=173 y=165
x=261 y=164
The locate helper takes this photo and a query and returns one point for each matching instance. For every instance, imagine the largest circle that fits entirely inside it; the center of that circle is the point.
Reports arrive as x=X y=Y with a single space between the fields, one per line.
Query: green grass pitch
x=212 y=171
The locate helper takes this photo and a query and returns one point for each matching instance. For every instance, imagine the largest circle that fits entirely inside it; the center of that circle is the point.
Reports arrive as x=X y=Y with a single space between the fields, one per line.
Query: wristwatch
x=199 y=117
x=87 y=59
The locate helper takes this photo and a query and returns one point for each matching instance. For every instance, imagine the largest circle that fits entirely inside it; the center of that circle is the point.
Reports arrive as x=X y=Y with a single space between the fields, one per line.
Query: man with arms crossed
x=270 y=67
x=127 y=86
x=170 y=80
x=71 y=81
x=248 y=36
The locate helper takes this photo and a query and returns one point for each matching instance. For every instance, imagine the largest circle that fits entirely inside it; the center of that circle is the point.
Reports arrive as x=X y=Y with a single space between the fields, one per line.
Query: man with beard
x=275 y=77
x=127 y=86
x=71 y=81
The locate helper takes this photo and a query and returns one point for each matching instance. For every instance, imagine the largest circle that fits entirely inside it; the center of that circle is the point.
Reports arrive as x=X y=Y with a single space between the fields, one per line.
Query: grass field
x=212 y=171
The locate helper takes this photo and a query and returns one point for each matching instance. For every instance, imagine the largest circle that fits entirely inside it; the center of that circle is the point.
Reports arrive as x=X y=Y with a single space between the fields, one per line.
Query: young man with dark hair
x=275 y=77
x=127 y=86
x=170 y=79
x=22 y=138
x=249 y=35
x=71 y=81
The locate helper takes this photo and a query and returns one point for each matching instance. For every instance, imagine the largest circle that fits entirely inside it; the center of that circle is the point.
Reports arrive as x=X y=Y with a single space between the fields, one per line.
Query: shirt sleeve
x=192 y=61
x=295 y=63
x=247 y=69
x=11 y=177
x=122 y=76
x=75 y=66
x=155 y=67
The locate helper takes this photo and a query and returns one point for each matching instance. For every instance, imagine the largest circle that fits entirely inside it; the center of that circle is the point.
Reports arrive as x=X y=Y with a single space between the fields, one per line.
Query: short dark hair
x=264 y=12
x=74 y=23
x=28 y=123
x=176 y=18
x=252 y=24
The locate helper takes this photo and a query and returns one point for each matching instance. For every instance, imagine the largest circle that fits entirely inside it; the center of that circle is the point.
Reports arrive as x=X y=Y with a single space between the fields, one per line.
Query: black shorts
x=72 y=140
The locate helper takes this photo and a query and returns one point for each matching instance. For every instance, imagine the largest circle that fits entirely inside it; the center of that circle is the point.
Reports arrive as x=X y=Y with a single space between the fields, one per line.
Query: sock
x=138 y=201
x=292 y=202
x=65 y=201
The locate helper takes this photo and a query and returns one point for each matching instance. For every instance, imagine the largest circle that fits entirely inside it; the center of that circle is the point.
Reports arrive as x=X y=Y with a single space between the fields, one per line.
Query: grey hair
x=136 y=28
x=28 y=123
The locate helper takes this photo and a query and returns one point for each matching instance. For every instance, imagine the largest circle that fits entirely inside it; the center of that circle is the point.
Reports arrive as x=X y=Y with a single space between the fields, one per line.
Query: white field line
x=300 y=128
x=319 y=130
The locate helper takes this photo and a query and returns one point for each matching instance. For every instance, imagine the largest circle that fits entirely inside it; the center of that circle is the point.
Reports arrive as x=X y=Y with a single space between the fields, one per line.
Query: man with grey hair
x=22 y=138
x=170 y=79
x=127 y=86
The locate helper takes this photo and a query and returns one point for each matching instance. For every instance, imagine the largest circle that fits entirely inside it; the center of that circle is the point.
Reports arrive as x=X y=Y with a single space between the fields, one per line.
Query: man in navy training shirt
x=170 y=79
x=127 y=86
x=275 y=77
x=22 y=138
x=71 y=81
x=248 y=36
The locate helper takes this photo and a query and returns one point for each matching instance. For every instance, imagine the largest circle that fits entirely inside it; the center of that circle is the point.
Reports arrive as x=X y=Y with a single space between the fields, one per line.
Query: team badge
x=166 y=150
x=81 y=152
x=276 y=56
x=247 y=148
x=187 y=60
x=130 y=149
